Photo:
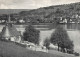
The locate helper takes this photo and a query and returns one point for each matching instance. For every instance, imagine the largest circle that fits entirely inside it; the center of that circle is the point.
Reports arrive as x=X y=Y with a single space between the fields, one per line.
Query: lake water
x=47 y=26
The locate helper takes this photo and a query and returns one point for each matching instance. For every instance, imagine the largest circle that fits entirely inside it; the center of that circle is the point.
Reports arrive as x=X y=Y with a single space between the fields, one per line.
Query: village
x=17 y=18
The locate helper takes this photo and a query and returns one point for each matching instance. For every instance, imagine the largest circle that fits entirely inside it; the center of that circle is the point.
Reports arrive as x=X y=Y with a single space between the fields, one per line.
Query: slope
x=10 y=49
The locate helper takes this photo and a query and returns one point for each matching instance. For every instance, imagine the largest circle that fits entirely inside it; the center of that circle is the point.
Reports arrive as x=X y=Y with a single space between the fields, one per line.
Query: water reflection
x=51 y=26
x=72 y=26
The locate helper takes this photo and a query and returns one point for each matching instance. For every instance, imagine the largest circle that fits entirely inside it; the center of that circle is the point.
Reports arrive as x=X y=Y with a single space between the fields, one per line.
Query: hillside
x=51 y=12
x=10 y=49
x=9 y=11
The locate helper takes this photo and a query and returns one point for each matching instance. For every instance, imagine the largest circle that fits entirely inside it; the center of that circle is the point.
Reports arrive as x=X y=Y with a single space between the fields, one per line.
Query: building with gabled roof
x=9 y=32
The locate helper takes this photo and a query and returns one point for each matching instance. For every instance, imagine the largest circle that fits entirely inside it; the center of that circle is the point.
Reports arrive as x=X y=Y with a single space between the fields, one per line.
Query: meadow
x=10 y=49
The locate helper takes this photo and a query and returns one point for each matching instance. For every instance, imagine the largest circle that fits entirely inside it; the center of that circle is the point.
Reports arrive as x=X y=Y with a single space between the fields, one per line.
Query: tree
x=70 y=47
x=47 y=43
x=31 y=34
x=61 y=38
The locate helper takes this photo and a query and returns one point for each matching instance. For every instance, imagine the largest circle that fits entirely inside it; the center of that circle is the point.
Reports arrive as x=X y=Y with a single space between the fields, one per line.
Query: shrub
x=76 y=54
x=47 y=43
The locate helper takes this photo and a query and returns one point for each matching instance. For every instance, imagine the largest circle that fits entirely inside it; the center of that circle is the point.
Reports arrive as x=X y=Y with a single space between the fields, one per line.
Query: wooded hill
x=50 y=13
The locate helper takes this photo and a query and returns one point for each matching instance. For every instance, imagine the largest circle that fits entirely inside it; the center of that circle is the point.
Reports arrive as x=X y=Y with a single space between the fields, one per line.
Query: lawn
x=10 y=49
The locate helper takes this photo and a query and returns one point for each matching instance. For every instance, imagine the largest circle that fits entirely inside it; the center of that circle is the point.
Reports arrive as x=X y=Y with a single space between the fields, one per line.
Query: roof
x=10 y=31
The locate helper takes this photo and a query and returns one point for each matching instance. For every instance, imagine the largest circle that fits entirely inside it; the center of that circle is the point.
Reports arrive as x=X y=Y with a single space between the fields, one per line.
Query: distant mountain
x=9 y=11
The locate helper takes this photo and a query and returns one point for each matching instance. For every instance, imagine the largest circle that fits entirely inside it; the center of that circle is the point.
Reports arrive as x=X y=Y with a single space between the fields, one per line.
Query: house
x=65 y=20
x=21 y=21
x=9 y=32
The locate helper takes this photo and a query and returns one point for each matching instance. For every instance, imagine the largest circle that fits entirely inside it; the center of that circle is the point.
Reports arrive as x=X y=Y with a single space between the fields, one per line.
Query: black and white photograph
x=39 y=28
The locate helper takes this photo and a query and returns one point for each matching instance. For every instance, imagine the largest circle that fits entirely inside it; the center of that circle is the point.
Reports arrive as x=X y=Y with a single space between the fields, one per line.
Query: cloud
x=3 y=6
x=56 y=2
x=31 y=4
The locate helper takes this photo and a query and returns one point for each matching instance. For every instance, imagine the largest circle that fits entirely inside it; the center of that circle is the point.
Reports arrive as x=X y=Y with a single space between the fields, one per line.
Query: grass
x=10 y=49
x=61 y=54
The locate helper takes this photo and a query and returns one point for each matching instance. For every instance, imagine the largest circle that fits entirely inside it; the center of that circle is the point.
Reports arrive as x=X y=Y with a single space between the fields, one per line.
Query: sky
x=31 y=4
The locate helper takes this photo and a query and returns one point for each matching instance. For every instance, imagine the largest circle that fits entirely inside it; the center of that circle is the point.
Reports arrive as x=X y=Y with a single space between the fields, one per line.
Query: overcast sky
x=31 y=4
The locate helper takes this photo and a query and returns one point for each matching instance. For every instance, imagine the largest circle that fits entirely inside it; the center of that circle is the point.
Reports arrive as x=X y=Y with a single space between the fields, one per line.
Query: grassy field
x=10 y=49
x=61 y=54
x=74 y=36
